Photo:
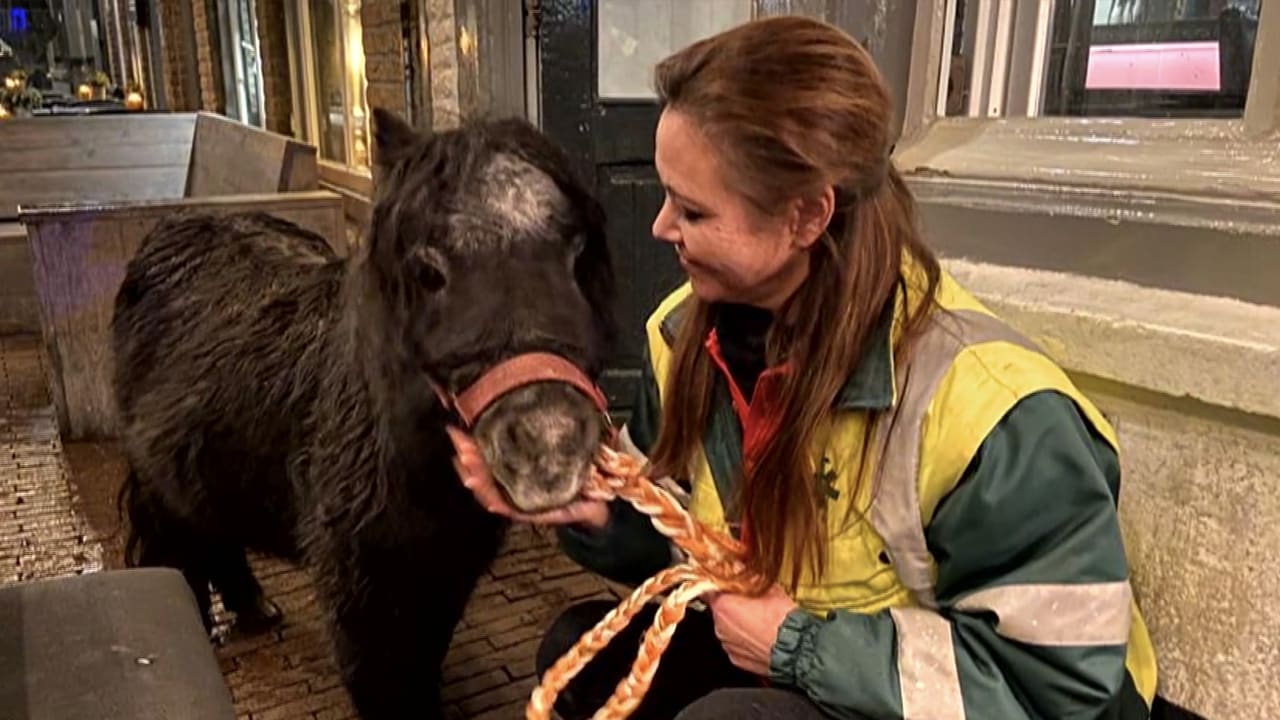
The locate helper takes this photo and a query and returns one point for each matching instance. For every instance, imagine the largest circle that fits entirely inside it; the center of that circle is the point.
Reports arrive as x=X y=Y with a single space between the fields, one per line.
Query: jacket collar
x=870 y=384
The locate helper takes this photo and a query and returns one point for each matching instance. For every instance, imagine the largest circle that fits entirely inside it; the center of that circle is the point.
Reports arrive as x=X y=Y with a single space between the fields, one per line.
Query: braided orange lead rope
x=715 y=562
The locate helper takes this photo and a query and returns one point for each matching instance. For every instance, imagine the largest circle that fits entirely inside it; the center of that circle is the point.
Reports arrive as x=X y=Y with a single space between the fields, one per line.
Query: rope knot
x=716 y=562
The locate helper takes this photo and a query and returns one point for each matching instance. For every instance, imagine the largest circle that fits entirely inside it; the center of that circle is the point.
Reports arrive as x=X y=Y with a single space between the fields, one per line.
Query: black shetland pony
x=277 y=398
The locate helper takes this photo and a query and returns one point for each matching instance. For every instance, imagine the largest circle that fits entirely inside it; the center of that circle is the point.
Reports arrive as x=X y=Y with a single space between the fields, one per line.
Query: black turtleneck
x=742 y=330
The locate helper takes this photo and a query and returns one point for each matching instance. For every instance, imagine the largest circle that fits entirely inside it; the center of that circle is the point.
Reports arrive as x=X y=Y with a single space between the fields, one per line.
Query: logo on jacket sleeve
x=826 y=481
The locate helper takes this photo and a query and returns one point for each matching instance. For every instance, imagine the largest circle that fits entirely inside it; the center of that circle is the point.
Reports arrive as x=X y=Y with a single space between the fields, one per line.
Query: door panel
x=595 y=62
x=566 y=42
x=605 y=120
x=622 y=133
x=611 y=145
x=647 y=270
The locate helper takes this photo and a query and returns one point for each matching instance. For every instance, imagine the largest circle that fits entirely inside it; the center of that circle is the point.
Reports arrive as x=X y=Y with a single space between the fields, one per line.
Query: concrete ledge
x=1220 y=351
x=1200 y=512
x=19 y=309
x=1200 y=499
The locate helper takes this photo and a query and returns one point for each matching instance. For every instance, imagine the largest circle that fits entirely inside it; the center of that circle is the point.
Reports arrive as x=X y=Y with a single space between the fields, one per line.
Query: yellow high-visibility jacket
x=978 y=571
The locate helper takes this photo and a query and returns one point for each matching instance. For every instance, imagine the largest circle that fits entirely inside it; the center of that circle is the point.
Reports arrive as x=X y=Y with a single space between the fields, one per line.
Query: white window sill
x=1201 y=157
x=357 y=181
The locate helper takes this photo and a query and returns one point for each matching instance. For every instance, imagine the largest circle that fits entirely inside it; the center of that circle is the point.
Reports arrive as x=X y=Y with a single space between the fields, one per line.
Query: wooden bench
x=112 y=644
x=85 y=190
x=165 y=156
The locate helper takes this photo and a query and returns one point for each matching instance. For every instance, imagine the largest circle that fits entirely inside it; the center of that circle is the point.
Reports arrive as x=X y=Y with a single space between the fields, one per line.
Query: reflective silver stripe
x=927 y=674
x=1058 y=614
x=895 y=515
x=627 y=445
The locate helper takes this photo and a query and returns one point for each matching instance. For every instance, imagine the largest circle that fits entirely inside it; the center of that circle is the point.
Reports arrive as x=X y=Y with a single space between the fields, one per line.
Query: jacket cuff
x=792 y=650
x=588 y=538
x=627 y=550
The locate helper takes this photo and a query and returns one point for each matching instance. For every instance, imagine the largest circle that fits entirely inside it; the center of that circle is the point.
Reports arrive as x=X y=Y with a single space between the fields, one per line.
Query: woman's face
x=730 y=250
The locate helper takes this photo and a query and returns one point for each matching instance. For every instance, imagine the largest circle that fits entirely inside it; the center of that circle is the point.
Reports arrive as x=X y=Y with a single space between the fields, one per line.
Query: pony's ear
x=391 y=137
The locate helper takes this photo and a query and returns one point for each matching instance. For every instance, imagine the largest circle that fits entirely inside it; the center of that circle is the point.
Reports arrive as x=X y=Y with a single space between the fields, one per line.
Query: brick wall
x=273 y=44
x=178 y=54
x=442 y=30
x=383 y=49
x=383 y=55
x=208 y=59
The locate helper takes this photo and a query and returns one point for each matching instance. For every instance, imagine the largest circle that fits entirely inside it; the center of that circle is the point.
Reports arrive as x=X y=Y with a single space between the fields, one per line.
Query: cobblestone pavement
x=488 y=673
x=49 y=526
x=42 y=534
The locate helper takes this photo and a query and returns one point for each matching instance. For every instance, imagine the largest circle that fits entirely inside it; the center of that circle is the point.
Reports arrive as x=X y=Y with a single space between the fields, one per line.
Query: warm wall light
x=4 y=113
x=353 y=34
x=133 y=100
x=356 y=81
x=84 y=92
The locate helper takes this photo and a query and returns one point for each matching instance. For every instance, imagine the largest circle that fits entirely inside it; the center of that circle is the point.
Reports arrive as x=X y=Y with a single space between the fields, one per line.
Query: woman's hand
x=748 y=626
x=476 y=477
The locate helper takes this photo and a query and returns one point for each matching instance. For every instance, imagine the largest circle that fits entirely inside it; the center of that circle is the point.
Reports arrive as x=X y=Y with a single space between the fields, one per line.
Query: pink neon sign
x=1154 y=66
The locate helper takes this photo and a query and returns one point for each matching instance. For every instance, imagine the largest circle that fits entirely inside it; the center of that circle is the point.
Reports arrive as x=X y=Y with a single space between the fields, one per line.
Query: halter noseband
x=513 y=373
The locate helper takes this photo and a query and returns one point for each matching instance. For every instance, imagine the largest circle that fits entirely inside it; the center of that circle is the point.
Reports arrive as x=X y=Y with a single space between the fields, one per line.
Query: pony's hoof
x=219 y=636
x=265 y=616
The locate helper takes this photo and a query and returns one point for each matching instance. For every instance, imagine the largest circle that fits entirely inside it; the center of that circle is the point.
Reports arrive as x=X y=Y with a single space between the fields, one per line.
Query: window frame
x=235 y=77
x=1229 y=158
x=355 y=172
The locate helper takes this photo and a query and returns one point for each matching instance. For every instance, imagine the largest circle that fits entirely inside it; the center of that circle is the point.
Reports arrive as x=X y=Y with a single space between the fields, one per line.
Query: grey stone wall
x=383 y=55
x=442 y=34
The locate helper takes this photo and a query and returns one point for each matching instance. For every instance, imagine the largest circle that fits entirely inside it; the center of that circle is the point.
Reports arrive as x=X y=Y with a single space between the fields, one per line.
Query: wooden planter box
x=87 y=189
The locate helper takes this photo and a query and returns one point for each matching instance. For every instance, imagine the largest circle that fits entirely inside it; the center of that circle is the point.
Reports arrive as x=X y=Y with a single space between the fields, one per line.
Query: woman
x=932 y=499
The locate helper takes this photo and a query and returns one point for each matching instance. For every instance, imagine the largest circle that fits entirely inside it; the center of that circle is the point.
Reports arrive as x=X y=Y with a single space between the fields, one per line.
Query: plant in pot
x=17 y=98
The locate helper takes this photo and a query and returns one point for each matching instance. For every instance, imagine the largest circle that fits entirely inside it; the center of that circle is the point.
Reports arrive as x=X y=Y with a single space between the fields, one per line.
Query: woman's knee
x=752 y=704
x=591 y=688
x=566 y=629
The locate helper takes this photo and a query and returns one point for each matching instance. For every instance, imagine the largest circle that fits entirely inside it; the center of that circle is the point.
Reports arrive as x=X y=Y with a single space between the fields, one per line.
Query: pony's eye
x=430 y=278
x=429 y=270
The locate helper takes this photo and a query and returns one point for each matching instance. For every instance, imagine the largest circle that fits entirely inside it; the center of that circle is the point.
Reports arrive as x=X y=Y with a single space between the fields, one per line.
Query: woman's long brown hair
x=794 y=105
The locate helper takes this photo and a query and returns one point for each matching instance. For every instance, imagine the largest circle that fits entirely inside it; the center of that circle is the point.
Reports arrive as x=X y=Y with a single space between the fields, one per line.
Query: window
x=326 y=44
x=1154 y=59
x=241 y=66
x=328 y=99
x=46 y=56
x=1148 y=95
x=634 y=36
x=1113 y=58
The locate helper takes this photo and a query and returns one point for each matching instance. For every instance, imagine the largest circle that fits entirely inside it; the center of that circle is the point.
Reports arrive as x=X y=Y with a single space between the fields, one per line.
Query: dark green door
x=611 y=143
x=595 y=64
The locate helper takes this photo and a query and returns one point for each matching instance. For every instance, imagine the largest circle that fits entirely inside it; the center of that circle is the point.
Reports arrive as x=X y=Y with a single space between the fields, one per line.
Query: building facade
x=1105 y=173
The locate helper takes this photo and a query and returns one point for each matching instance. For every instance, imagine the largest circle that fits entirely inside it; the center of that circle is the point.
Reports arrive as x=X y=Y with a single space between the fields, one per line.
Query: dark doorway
x=611 y=143
x=594 y=89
